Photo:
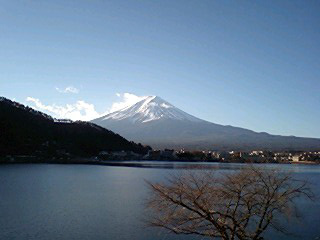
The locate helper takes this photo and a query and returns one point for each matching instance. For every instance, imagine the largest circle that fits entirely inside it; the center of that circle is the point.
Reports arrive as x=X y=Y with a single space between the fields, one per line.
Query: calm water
x=44 y=201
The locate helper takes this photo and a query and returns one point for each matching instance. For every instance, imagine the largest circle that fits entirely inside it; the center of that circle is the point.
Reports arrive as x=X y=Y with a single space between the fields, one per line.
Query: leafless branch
x=241 y=205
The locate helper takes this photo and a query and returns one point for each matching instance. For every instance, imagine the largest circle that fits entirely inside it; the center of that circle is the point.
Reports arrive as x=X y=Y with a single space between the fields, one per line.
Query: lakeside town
x=256 y=156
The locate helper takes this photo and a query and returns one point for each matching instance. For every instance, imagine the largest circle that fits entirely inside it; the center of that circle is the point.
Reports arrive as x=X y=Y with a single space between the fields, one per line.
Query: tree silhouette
x=240 y=205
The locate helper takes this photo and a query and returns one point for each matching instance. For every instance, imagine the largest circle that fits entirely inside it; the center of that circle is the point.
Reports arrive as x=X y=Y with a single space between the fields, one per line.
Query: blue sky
x=252 y=64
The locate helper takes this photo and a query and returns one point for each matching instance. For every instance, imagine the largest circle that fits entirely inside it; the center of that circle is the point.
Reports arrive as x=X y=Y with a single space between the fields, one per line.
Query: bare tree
x=240 y=205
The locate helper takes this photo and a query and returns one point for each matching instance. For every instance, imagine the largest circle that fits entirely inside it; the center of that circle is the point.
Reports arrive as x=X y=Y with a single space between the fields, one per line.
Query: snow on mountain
x=156 y=122
x=150 y=109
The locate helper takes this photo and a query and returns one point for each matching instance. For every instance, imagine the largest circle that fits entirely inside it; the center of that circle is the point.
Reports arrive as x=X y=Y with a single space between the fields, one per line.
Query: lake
x=52 y=201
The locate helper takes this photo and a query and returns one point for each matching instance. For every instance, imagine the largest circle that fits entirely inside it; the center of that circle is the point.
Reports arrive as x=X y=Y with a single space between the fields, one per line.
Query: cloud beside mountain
x=82 y=110
x=127 y=99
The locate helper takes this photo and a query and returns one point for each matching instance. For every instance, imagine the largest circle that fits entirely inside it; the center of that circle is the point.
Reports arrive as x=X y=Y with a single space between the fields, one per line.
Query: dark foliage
x=24 y=131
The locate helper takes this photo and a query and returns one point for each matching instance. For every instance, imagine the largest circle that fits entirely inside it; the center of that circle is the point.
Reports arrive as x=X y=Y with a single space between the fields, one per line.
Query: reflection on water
x=213 y=165
x=44 y=201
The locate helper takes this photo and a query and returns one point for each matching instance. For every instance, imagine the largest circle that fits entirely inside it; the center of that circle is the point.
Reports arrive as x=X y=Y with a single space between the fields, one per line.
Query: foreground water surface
x=48 y=201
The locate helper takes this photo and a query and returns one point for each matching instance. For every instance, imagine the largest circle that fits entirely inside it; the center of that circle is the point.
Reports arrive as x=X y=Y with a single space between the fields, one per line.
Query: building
x=296 y=158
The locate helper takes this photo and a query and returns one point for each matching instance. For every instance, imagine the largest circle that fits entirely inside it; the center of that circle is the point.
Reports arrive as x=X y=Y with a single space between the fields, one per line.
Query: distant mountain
x=24 y=131
x=156 y=122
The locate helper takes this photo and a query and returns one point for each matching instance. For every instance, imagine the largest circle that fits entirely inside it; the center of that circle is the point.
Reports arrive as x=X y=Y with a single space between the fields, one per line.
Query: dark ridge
x=25 y=131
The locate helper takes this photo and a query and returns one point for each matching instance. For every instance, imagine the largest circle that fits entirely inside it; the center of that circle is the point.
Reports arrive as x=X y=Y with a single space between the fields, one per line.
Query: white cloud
x=127 y=99
x=80 y=110
x=69 y=89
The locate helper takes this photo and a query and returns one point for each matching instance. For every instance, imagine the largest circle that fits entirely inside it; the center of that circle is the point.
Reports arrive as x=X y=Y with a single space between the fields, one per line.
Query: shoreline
x=161 y=164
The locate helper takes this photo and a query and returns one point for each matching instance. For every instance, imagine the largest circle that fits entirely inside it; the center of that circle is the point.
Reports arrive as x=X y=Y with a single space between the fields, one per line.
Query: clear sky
x=252 y=64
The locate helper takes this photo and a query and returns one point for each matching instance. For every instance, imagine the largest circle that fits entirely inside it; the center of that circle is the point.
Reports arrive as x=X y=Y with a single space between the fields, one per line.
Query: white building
x=296 y=158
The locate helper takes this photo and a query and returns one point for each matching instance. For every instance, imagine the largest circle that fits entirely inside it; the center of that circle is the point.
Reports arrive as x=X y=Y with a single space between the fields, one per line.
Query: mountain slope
x=156 y=122
x=24 y=131
x=149 y=109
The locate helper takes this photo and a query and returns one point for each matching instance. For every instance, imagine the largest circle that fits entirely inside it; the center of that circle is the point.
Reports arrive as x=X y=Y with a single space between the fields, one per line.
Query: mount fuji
x=158 y=123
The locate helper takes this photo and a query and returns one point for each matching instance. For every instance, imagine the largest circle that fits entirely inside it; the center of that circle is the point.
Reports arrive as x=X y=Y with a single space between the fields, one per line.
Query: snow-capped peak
x=149 y=109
